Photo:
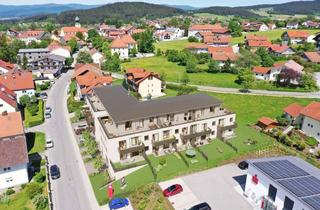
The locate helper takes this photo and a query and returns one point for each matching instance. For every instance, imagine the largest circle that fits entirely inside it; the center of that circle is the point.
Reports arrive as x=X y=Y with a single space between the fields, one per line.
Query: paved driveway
x=219 y=187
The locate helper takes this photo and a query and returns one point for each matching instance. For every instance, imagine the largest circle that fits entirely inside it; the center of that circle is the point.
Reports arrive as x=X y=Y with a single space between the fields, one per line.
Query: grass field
x=36 y=142
x=30 y=121
x=175 y=44
x=213 y=16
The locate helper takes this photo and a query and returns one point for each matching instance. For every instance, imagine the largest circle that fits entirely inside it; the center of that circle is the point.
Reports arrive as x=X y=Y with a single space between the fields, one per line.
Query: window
x=272 y=193
x=128 y=125
x=231 y=119
x=213 y=123
x=212 y=109
x=177 y=131
x=166 y=134
x=213 y=133
x=151 y=119
x=1 y=105
x=146 y=138
x=288 y=204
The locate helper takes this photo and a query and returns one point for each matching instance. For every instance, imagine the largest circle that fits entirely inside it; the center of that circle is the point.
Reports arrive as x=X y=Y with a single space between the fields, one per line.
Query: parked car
x=172 y=190
x=43 y=95
x=243 y=165
x=118 y=203
x=48 y=110
x=49 y=143
x=47 y=115
x=54 y=172
x=201 y=206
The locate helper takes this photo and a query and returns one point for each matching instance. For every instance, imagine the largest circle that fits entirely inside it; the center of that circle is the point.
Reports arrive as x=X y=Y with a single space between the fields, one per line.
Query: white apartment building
x=126 y=127
x=283 y=183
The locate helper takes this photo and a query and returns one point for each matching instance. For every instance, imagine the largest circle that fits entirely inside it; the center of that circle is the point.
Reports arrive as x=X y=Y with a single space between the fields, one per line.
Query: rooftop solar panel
x=302 y=186
x=313 y=201
x=280 y=169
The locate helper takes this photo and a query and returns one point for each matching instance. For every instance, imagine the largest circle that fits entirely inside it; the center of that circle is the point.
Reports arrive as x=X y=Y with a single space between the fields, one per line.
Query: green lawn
x=175 y=44
x=30 y=121
x=36 y=142
x=272 y=34
x=98 y=182
x=174 y=72
x=117 y=81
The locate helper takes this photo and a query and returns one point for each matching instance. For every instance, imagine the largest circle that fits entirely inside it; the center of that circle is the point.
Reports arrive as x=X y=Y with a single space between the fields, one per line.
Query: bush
x=33 y=189
x=163 y=161
x=301 y=145
x=44 y=86
x=282 y=121
x=312 y=142
x=40 y=202
x=40 y=177
x=43 y=162
x=192 y=39
x=23 y=186
x=10 y=191
x=33 y=108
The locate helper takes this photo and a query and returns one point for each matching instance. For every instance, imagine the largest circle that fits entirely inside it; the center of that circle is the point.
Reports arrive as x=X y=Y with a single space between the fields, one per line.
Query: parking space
x=220 y=187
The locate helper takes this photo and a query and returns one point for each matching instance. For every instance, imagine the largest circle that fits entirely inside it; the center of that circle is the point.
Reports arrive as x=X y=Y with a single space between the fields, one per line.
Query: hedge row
x=118 y=167
x=182 y=88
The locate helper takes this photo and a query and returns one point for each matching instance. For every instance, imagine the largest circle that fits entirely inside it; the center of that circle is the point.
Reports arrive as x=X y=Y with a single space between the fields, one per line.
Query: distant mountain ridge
x=17 y=11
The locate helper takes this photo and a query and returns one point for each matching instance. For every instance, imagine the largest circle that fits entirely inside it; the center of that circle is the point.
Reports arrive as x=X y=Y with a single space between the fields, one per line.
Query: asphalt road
x=72 y=190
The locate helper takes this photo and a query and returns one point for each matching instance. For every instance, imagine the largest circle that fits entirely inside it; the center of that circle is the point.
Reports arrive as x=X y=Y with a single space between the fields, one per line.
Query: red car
x=172 y=190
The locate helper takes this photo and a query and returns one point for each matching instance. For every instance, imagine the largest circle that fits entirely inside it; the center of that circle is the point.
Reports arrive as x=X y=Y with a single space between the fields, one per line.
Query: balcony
x=136 y=148
x=227 y=127
x=186 y=137
x=169 y=140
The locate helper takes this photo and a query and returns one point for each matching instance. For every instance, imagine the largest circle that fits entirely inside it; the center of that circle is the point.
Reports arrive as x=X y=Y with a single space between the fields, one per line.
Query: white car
x=49 y=143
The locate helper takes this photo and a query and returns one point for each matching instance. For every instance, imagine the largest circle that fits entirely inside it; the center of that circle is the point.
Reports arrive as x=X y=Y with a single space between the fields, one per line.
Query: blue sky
x=197 y=3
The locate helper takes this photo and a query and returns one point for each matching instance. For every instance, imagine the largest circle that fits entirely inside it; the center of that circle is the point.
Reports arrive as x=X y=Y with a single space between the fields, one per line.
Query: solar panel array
x=313 y=201
x=280 y=169
x=303 y=186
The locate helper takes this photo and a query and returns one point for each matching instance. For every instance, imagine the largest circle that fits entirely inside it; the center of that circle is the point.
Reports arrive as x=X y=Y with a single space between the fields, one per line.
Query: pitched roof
x=196 y=46
x=266 y=121
x=279 y=48
x=258 y=43
x=312 y=110
x=11 y=124
x=137 y=75
x=222 y=53
x=118 y=43
x=291 y=64
x=17 y=80
x=313 y=56
x=27 y=34
x=73 y=29
x=216 y=28
x=6 y=65
x=256 y=37
x=81 y=69
x=55 y=45
x=261 y=70
x=8 y=96
x=297 y=34
x=216 y=39
x=13 y=151
x=293 y=109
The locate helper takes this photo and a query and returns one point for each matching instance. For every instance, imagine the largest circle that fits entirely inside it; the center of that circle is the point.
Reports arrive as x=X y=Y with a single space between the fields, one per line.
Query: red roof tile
x=11 y=124
x=312 y=110
x=313 y=56
x=298 y=34
x=17 y=81
x=293 y=109
x=6 y=65
x=196 y=46
x=8 y=96
x=266 y=121
x=256 y=37
x=13 y=151
x=261 y=70
x=258 y=43
x=279 y=48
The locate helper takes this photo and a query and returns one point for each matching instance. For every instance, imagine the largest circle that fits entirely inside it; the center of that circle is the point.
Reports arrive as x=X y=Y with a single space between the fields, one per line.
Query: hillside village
x=126 y=109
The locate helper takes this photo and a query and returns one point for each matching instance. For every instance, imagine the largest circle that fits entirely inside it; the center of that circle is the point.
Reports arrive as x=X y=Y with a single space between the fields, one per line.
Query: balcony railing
x=185 y=137
x=227 y=127
x=169 y=140
x=136 y=148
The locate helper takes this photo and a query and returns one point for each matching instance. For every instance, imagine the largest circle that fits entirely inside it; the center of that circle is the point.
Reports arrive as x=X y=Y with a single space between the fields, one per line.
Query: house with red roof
x=281 y=50
x=197 y=48
x=217 y=40
x=148 y=84
x=307 y=118
x=167 y=34
x=21 y=83
x=35 y=35
x=313 y=57
x=70 y=32
x=216 y=29
x=295 y=36
x=254 y=26
x=13 y=151
x=222 y=54
x=122 y=46
x=8 y=100
x=266 y=123
x=89 y=76
x=253 y=42
x=6 y=67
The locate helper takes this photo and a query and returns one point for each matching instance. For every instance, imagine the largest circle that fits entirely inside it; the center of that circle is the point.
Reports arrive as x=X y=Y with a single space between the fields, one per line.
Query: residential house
x=6 y=67
x=254 y=26
x=217 y=40
x=313 y=57
x=146 y=83
x=272 y=26
x=307 y=118
x=311 y=24
x=87 y=77
x=317 y=40
x=96 y=56
x=295 y=37
x=168 y=34
x=8 y=100
x=12 y=33
x=197 y=48
x=32 y=54
x=13 y=151
x=70 y=32
x=286 y=182
x=127 y=128
x=266 y=123
x=216 y=29
x=255 y=41
x=292 y=25
x=222 y=54
x=104 y=29
x=49 y=66
x=33 y=36
x=281 y=50
x=122 y=46
x=58 y=49
x=19 y=82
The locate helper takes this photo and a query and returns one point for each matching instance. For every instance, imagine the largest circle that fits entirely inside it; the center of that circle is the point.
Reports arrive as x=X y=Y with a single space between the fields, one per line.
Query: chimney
x=2 y=89
x=5 y=113
x=5 y=77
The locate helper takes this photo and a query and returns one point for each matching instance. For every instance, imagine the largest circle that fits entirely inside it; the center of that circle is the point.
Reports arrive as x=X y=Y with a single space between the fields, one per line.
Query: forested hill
x=125 y=11
x=291 y=8
x=241 y=12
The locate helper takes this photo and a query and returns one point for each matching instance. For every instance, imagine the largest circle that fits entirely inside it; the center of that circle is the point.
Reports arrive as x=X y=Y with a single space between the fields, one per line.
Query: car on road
x=118 y=203
x=201 y=206
x=49 y=143
x=47 y=115
x=173 y=190
x=243 y=165
x=54 y=172
x=43 y=95
x=48 y=110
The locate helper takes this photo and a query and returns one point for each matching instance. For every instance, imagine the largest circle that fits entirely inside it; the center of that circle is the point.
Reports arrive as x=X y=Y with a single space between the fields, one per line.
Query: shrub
x=10 y=191
x=163 y=161
x=301 y=145
x=23 y=186
x=43 y=162
x=40 y=201
x=192 y=39
x=40 y=177
x=33 y=108
x=33 y=189
x=312 y=142
x=282 y=121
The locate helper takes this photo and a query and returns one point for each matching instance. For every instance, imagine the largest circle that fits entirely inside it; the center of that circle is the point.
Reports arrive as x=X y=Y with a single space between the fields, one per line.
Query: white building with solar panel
x=283 y=183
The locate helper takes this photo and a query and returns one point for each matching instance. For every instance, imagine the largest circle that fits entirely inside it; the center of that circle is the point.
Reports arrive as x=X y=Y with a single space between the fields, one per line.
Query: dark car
x=47 y=115
x=54 y=172
x=118 y=203
x=43 y=95
x=243 y=165
x=173 y=190
x=201 y=206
